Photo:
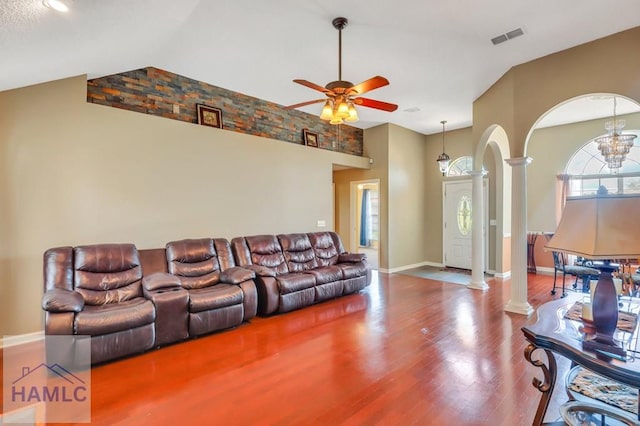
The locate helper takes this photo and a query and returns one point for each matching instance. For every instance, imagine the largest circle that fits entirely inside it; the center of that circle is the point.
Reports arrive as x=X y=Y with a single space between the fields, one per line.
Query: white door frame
x=485 y=187
x=353 y=185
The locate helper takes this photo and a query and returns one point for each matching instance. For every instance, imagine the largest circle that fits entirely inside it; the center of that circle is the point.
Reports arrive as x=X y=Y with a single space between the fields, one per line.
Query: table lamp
x=602 y=227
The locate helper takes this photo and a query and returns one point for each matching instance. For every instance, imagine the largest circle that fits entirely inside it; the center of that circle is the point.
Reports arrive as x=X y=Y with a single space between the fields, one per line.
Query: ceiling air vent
x=508 y=36
x=500 y=39
x=515 y=33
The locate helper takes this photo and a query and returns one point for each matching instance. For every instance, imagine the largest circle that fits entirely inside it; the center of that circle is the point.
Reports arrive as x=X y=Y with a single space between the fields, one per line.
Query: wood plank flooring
x=405 y=351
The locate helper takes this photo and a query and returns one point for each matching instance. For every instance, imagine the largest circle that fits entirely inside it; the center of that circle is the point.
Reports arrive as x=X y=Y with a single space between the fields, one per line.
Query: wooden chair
x=560 y=265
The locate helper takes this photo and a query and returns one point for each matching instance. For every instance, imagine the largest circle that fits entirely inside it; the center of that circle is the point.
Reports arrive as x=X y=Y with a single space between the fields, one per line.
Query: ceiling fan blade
x=305 y=103
x=372 y=103
x=368 y=85
x=312 y=85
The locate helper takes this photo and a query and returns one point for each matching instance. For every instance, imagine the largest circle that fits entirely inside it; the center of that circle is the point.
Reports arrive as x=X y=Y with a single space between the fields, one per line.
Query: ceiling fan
x=341 y=94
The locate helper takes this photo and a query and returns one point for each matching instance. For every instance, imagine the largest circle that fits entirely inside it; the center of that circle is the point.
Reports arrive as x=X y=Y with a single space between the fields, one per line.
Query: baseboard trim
x=405 y=267
x=544 y=270
x=503 y=275
x=20 y=339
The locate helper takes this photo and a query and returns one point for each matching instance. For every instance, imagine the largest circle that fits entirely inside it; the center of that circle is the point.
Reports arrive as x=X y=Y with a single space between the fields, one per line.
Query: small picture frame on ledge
x=209 y=116
x=310 y=138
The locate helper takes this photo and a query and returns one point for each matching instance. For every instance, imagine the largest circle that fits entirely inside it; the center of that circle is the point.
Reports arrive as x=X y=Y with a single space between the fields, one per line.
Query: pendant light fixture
x=443 y=159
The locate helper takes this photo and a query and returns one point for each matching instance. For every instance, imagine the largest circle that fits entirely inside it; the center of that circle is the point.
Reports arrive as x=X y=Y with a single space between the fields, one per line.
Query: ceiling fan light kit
x=342 y=96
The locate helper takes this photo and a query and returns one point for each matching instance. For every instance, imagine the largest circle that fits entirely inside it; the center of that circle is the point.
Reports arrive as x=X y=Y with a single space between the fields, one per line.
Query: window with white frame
x=461 y=166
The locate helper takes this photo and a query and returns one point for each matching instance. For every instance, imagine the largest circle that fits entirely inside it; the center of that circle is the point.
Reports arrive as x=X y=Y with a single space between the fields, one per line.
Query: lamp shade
x=600 y=227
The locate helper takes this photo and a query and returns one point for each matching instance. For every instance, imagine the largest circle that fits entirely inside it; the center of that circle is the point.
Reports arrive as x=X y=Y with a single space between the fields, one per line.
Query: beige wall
x=545 y=82
x=407 y=198
x=77 y=173
x=458 y=143
x=529 y=90
x=398 y=163
x=376 y=147
x=495 y=106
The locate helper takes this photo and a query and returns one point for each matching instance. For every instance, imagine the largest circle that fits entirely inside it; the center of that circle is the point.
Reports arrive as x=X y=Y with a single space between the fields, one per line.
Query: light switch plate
x=321 y=223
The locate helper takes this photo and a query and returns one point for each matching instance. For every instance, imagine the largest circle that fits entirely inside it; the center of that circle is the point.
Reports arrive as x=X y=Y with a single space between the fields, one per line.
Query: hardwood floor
x=405 y=351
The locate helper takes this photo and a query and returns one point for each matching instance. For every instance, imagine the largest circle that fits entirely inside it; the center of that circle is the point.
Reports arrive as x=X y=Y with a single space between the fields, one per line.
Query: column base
x=478 y=285
x=519 y=308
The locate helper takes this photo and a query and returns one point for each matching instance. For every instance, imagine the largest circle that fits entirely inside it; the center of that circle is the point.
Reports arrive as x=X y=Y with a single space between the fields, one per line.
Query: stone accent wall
x=157 y=92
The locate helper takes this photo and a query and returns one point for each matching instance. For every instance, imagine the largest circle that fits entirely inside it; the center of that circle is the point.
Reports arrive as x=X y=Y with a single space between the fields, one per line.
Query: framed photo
x=310 y=139
x=209 y=116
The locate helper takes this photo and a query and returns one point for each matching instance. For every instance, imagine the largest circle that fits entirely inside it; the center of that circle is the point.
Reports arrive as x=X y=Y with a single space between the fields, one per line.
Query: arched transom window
x=461 y=166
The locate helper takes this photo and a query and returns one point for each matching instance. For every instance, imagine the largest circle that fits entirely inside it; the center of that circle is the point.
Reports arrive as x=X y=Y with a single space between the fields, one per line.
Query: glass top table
x=553 y=334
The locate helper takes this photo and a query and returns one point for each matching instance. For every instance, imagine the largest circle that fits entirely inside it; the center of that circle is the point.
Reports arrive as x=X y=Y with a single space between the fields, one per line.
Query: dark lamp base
x=587 y=328
x=605 y=314
x=609 y=347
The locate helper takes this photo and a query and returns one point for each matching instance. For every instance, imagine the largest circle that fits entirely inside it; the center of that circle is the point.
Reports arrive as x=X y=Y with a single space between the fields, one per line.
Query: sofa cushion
x=237 y=275
x=352 y=285
x=298 y=252
x=266 y=251
x=107 y=273
x=326 y=274
x=114 y=317
x=59 y=300
x=329 y=290
x=260 y=271
x=295 y=282
x=351 y=257
x=324 y=248
x=296 y=300
x=214 y=297
x=353 y=270
x=160 y=280
x=195 y=261
x=58 y=268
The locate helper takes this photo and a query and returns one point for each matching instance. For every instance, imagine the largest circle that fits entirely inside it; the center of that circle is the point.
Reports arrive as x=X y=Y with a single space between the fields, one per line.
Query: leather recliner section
x=297 y=270
x=213 y=303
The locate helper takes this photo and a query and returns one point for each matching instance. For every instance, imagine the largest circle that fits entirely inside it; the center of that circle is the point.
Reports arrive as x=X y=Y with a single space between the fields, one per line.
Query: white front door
x=457 y=224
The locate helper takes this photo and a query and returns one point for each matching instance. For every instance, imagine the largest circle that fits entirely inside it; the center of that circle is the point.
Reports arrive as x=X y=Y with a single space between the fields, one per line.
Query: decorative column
x=518 y=303
x=477 y=234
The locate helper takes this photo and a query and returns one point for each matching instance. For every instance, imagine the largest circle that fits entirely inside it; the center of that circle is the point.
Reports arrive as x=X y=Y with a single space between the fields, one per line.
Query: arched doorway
x=492 y=150
x=566 y=161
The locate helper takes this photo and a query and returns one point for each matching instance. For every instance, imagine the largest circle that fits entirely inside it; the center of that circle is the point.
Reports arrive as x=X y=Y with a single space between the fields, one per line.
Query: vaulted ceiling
x=437 y=55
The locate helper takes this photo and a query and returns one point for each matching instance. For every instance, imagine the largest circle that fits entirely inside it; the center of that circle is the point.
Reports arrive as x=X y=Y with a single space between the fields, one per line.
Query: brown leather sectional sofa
x=297 y=270
x=130 y=300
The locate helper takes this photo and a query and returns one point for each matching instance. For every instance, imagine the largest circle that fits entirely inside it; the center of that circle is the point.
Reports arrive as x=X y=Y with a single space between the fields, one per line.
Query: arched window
x=587 y=171
x=461 y=166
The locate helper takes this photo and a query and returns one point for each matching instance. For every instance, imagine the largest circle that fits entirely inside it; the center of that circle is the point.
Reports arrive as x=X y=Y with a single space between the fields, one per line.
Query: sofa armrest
x=236 y=275
x=160 y=280
x=59 y=300
x=351 y=257
x=261 y=271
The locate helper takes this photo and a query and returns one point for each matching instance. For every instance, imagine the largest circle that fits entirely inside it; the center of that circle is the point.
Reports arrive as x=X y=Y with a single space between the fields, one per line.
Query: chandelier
x=614 y=146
